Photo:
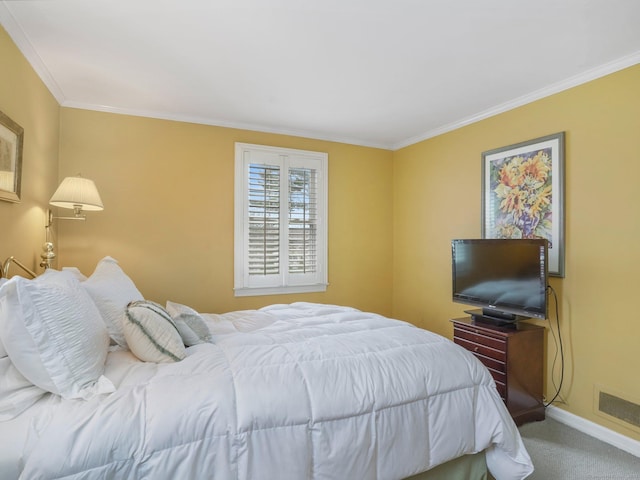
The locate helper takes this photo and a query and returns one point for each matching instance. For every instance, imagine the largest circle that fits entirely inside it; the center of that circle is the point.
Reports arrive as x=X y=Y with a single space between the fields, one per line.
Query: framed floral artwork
x=523 y=194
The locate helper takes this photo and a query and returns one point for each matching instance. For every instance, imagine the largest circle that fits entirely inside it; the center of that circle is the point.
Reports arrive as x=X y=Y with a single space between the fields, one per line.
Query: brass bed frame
x=7 y=263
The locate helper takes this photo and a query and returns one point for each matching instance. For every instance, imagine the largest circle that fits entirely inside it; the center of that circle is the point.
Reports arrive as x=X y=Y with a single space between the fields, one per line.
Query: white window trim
x=241 y=283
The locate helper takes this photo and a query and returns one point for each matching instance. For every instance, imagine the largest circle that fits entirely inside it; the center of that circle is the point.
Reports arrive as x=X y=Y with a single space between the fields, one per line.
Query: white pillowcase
x=16 y=392
x=54 y=334
x=192 y=327
x=112 y=290
x=76 y=273
x=3 y=352
x=151 y=334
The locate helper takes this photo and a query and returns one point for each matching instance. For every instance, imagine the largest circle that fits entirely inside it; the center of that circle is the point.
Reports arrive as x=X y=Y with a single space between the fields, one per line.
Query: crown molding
x=566 y=84
x=226 y=124
x=16 y=32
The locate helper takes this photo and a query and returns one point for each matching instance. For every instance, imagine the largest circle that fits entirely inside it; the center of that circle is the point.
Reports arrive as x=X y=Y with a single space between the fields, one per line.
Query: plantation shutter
x=264 y=220
x=302 y=220
x=280 y=220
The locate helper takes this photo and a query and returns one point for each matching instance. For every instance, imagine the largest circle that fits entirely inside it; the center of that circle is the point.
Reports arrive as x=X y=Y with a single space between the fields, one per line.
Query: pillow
x=16 y=392
x=54 y=334
x=151 y=334
x=112 y=290
x=192 y=327
x=76 y=273
x=3 y=352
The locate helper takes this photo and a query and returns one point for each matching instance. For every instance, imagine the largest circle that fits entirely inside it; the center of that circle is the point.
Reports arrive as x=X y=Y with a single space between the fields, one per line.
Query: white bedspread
x=299 y=391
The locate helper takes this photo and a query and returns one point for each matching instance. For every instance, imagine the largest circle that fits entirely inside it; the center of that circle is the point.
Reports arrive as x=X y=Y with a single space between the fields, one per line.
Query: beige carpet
x=562 y=453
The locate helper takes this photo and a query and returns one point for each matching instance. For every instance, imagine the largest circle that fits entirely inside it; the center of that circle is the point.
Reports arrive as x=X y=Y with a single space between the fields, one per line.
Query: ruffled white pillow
x=112 y=290
x=3 y=352
x=54 y=334
x=151 y=334
x=192 y=327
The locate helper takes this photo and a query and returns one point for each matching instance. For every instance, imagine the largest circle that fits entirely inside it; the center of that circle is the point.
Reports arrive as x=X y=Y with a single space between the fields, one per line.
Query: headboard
x=7 y=263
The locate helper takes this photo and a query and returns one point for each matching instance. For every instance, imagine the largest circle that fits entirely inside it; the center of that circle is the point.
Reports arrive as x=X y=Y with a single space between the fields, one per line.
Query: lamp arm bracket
x=51 y=217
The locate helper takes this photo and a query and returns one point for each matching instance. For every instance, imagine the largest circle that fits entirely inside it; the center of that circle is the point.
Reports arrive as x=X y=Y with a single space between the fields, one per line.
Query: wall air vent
x=618 y=408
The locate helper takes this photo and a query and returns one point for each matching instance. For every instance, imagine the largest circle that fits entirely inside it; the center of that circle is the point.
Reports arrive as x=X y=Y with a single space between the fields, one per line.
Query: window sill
x=254 y=292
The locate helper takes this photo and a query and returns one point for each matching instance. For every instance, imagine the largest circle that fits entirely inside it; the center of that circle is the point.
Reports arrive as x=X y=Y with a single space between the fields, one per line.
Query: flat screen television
x=506 y=278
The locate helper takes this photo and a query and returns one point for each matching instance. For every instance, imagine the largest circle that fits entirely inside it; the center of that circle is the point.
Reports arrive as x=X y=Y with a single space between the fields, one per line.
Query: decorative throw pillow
x=151 y=334
x=192 y=327
x=16 y=392
x=54 y=334
x=112 y=290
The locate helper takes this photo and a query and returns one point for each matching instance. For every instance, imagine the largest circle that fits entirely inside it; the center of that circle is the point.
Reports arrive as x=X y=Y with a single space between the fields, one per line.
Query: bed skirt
x=467 y=467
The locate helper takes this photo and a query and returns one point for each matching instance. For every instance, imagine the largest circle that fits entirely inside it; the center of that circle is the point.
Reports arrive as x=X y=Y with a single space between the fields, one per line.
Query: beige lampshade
x=77 y=191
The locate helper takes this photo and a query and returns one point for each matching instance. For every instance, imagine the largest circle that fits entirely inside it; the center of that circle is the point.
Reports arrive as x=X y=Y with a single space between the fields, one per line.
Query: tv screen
x=507 y=278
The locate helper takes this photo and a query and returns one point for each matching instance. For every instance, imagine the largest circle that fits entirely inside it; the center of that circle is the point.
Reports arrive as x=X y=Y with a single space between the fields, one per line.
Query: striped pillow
x=192 y=327
x=151 y=333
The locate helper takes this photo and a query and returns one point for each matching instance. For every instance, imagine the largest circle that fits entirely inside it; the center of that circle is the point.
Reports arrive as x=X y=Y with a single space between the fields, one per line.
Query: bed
x=127 y=388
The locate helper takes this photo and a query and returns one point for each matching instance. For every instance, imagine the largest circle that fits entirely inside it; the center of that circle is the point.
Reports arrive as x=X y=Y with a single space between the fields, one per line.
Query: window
x=280 y=220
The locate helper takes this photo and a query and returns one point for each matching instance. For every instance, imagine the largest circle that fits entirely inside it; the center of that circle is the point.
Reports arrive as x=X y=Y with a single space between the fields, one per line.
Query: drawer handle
x=476 y=349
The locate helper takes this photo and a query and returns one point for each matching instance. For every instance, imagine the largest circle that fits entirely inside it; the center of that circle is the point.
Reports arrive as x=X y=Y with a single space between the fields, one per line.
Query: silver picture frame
x=523 y=194
x=11 y=142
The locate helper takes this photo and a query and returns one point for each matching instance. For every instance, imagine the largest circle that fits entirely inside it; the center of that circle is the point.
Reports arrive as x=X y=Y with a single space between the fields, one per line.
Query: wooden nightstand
x=514 y=356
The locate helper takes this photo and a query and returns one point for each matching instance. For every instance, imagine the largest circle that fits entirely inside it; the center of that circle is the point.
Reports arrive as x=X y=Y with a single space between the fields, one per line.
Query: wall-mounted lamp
x=77 y=193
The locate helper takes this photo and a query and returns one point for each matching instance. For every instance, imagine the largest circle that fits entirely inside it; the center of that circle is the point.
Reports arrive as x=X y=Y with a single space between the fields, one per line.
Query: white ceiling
x=383 y=73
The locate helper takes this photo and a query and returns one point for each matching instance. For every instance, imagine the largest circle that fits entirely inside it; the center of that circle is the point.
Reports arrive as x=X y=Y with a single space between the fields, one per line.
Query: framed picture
x=11 y=138
x=523 y=194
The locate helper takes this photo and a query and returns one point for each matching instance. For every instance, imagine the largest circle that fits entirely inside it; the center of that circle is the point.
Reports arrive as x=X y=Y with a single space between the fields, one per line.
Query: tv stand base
x=482 y=316
x=514 y=356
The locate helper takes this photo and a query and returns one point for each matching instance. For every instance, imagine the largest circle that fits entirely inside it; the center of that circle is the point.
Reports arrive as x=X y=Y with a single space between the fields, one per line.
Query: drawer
x=492 y=363
x=502 y=390
x=498 y=376
x=476 y=336
x=481 y=349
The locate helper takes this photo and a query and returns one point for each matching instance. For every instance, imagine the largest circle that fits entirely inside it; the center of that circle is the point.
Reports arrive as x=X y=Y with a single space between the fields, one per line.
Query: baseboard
x=593 y=429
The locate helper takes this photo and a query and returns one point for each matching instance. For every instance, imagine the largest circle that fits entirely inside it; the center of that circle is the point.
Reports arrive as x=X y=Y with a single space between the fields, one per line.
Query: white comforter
x=301 y=391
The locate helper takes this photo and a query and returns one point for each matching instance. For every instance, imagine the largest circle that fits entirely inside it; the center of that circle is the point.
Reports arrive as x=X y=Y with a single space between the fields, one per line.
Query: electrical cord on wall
x=559 y=349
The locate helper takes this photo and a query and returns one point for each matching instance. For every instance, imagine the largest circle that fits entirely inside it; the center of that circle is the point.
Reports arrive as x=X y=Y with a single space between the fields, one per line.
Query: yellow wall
x=437 y=198
x=26 y=100
x=168 y=193
x=167 y=188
